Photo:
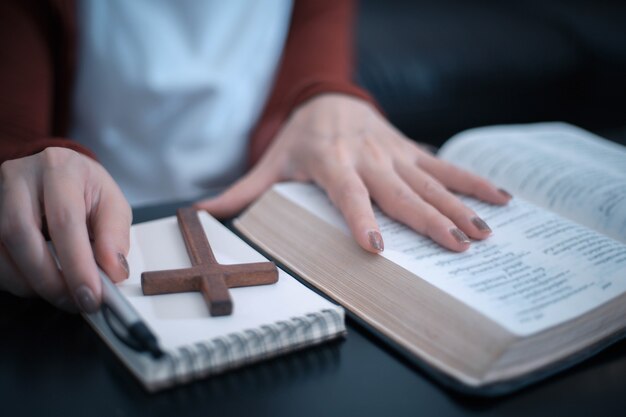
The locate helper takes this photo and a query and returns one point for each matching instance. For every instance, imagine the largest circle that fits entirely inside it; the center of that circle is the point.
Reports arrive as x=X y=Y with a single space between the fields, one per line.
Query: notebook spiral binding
x=237 y=349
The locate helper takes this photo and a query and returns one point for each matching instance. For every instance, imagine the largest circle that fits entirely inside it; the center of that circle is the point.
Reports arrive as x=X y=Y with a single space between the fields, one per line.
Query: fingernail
x=376 y=241
x=123 y=262
x=505 y=193
x=85 y=299
x=460 y=236
x=480 y=224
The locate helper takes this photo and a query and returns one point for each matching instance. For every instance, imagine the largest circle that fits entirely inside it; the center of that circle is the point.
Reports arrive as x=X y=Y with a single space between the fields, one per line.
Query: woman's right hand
x=87 y=218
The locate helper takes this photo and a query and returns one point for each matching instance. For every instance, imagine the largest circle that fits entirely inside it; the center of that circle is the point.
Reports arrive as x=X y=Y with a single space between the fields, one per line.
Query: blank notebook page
x=183 y=319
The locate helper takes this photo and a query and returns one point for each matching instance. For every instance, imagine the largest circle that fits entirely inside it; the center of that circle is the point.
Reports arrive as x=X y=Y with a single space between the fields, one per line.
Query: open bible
x=547 y=290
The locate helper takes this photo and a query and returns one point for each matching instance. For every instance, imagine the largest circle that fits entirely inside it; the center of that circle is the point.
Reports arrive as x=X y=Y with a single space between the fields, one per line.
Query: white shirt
x=168 y=91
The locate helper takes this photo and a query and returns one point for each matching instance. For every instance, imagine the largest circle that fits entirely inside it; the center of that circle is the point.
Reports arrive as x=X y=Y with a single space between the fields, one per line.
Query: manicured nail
x=505 y=193
x=376 y=241
x=123 y=262
x=480 y=224
x=460 y=236
x=85 y=299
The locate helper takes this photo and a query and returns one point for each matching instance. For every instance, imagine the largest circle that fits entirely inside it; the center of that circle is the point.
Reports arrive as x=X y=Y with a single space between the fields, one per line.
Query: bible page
x=537 y=270
x=557 y=166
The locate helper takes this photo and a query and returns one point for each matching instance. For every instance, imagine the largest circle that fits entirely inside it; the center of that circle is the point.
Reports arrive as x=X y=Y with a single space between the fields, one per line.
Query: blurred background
x=441 y=66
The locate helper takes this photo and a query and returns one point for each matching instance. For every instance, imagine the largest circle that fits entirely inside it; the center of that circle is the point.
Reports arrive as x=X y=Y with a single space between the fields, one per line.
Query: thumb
x=241 y=193
x=110 y=223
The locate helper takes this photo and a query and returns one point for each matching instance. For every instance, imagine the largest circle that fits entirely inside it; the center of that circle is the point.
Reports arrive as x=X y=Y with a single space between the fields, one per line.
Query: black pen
x=141 y=335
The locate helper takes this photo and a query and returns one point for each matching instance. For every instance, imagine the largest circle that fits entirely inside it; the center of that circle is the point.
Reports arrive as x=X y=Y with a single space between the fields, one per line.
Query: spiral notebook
x=267 y=320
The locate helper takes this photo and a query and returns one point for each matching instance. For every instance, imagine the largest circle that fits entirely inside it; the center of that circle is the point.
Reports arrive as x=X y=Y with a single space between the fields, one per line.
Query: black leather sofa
x=441 y=66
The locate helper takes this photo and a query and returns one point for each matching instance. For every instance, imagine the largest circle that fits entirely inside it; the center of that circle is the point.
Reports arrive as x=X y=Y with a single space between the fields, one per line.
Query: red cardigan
x=38 y=65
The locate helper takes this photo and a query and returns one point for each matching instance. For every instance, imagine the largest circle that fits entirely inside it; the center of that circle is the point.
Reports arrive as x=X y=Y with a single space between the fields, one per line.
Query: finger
x=445 y=202
x=462 y=181
x=110 y=221
x=67 y=223
x=399 y=201
x=21 y=236
x=348 y=193
x=242 y=193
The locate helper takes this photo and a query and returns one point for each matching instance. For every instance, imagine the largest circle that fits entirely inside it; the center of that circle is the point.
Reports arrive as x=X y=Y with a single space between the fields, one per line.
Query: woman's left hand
x=347 y=147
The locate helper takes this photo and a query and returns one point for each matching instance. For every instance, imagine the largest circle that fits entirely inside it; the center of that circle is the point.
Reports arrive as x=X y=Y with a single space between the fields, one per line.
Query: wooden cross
x=206 y=275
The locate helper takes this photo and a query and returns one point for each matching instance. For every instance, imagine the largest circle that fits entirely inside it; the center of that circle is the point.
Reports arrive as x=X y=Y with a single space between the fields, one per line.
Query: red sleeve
x=318 y=58
x=35 y=79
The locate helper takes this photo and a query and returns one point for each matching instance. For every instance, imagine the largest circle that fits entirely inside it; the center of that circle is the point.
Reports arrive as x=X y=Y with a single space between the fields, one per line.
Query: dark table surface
x=52 y=363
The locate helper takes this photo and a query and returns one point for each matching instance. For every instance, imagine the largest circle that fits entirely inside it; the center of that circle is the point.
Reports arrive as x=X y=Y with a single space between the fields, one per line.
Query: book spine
x=237 y=349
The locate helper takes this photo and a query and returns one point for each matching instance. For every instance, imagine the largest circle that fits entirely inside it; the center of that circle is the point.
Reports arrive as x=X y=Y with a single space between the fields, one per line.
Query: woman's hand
x=81 y=206
x=344 y=145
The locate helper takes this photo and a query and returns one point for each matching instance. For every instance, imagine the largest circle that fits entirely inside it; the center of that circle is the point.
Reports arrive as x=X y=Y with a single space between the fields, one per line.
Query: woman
x=172 y=98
